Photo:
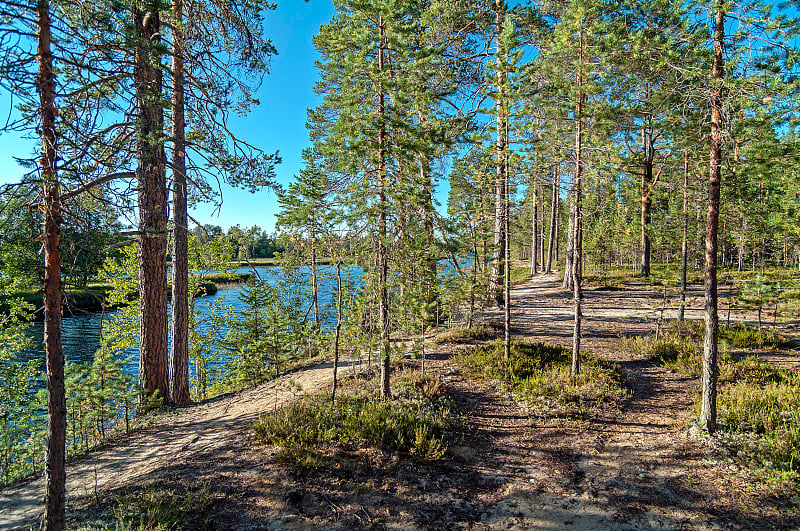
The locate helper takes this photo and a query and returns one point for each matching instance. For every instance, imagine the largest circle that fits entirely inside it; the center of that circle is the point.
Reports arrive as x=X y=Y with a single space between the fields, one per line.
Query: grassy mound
x=539 y=374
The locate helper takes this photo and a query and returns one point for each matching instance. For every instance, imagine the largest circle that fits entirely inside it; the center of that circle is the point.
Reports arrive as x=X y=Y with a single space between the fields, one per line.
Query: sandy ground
x=182 y=436
x=640 y=467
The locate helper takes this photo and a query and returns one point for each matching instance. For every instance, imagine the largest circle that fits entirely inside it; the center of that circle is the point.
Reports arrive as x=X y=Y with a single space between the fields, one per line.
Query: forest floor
x=638 y=467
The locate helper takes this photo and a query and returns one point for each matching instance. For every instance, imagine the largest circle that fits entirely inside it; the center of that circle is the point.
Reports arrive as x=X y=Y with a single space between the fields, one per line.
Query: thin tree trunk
x=55 y=470
x=558 y=230
x=431 y=268
x=708 y=411
x=314 y=285
x=553 y=211
x=569 y=255
x=647 y=179
x=507 y=260
x=383 y=263
x=179 y=360
x=152 y=184
x=338 y=330
x=499 y=267
x=577 y=250
x=542 y=235
x=684 y=242
x=474 y=283
x=534 y=229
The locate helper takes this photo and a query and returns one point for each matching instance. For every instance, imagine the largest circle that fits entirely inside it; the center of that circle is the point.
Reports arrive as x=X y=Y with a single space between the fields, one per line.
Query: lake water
x=81 y=334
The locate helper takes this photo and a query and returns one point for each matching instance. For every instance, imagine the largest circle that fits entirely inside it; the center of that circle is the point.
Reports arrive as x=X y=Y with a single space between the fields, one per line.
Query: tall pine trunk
x=534 y=229
x=382 y=259
x=314 y=281
x=577 y=250
x=179 y=360
x=55 y=469
x=569 y=254
x=507 y=260
x=152 y=184
x=431 y=268
x=338 y=330
x=708 y=409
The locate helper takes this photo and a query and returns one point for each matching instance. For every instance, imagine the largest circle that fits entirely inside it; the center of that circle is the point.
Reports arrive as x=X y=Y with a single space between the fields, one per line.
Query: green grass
x=539 y=375
x=520 y=274
x=669 y=274
x=737 y=335
x=74 y=299
x=660 y=274
x=680 y=348
x=310 y=432
x=761 y=419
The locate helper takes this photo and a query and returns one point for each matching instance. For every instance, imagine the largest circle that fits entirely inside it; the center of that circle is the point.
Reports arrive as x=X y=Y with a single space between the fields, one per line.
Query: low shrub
x=310 y=429
x=227 y=278
x=149 y=507
x=742 y=335
x=761 y=420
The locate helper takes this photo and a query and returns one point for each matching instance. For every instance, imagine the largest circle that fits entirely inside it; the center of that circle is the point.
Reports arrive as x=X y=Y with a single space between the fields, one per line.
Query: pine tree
x=373 y=63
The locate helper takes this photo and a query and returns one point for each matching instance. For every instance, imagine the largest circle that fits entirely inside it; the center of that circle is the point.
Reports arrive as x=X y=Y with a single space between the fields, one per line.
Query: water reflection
x=81 y=334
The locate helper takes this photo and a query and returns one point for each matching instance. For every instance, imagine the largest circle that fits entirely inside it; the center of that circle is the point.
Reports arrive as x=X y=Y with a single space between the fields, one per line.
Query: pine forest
x=532 y=265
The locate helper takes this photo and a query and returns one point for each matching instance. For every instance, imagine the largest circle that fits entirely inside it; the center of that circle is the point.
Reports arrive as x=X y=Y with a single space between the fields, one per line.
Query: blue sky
x=278 y=124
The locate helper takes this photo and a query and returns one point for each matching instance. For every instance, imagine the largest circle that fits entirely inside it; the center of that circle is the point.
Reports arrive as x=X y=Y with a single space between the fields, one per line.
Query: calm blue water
x=81 y=334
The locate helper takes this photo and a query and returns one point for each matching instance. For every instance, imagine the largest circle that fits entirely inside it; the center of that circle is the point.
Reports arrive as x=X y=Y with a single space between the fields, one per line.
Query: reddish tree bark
x=708 y=410
x=553 y=211
x=577 y=250
x=152 y=184
x=499 y=266
x=179 y=360
x=684 y=241
x=55 y=470
x=646 y=184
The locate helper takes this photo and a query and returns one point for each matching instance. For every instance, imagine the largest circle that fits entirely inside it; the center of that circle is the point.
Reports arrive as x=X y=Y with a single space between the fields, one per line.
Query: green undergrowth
x=463 y=335
x=669 y=274
x=520 y=274
x=680 y=347
x=737 y=335
x=539 y=375
x=616 y=279
x=149 y=507
x=760 y=418
x=314 y=430
x=758 y=403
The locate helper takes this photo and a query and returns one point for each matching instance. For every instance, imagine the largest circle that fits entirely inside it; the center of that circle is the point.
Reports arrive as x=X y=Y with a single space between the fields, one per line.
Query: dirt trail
x=638 y=469
x=182 y=436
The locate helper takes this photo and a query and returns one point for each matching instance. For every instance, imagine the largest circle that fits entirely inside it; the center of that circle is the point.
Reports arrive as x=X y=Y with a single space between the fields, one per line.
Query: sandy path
x=636 y=469
x=183 y=436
